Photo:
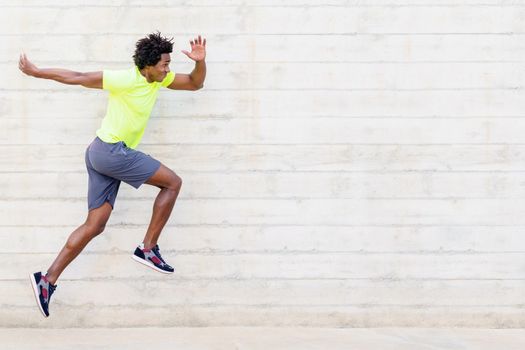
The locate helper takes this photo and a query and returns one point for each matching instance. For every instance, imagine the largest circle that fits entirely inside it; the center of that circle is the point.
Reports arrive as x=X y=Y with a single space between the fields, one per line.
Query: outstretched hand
x=198 y=49
x=26 y=65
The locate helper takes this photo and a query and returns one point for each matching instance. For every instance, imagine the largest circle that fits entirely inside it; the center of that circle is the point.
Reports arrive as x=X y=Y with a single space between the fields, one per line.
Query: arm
x=194 y=80
x=90 y=79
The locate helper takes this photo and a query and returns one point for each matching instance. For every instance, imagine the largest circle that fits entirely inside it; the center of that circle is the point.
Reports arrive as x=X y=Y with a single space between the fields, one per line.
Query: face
x=159 y=71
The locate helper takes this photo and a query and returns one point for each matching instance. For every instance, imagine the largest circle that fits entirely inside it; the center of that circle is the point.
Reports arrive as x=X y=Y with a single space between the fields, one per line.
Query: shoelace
x=156 y=250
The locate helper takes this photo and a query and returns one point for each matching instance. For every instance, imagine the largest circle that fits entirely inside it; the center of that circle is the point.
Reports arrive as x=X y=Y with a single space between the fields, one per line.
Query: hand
x=198 y=49
x=26 y=65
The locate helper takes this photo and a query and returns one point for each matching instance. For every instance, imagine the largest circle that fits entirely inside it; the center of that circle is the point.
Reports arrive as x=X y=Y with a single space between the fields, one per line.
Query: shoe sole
x=145 y=263
x=36 y=291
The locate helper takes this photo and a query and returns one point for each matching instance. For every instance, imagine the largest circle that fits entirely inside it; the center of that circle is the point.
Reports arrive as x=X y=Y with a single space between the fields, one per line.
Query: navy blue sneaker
x=152 y=258
x=43 y=290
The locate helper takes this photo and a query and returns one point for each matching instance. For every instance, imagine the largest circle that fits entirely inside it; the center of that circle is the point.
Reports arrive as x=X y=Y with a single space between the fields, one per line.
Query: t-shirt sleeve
x=117 y=80
x=168 y=80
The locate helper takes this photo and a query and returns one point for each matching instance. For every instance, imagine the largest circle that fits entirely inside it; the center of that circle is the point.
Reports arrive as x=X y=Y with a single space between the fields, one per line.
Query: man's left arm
x=194 y=80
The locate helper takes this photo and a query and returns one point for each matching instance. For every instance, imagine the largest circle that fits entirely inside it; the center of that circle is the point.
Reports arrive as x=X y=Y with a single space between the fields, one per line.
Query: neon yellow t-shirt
x=131 y=99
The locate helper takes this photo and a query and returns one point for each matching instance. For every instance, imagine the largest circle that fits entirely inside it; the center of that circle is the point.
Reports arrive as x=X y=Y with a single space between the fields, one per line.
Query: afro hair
x=149 y=49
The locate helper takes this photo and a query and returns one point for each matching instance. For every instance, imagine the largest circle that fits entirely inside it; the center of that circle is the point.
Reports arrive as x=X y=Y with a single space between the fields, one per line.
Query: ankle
x=147 y=245
x=51 y=279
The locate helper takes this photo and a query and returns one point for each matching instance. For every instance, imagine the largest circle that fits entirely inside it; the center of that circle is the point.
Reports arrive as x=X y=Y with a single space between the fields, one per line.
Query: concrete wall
x=349 y=163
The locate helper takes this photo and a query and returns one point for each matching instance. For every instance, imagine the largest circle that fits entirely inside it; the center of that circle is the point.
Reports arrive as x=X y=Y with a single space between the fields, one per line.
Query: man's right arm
x=89 y=79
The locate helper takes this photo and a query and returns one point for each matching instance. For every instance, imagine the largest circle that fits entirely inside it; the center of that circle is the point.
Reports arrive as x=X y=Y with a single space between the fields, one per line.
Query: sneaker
x=152 y=258
x=43 y=291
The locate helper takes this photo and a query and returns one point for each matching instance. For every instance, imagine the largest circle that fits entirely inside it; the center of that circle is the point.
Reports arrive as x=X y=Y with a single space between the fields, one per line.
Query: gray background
x=348 y=163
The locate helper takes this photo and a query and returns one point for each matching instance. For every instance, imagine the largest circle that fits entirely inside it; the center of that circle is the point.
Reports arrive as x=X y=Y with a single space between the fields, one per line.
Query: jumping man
x=112 y=156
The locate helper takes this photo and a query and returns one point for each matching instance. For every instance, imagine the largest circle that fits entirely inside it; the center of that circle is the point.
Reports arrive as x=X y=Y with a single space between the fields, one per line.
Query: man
x=112 y=158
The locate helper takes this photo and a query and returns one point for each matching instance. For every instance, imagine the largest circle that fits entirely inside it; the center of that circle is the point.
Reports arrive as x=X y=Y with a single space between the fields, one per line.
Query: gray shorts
x=110 y=163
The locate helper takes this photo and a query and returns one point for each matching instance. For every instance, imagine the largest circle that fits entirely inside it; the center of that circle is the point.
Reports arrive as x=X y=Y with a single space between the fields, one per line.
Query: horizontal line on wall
x=245 y=5
x=226 y=225
x=246 y=34
x=138 y=306
x=144 y=226
x=270 y=279
x=251 y=34
x=259 y=117
x=428 y=171
x=511 y=88
x=283 y=253
x=78 y=90
x=285 y=171
x=332 y=309
x=327 y=62
x=324 y=144
x=247 y=172
x=289 y=198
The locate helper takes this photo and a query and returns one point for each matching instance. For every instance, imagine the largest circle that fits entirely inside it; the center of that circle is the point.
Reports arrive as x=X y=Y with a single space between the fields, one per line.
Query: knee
x=93 y=229
x=89 y=230
x=175 y=183
x=178 y=182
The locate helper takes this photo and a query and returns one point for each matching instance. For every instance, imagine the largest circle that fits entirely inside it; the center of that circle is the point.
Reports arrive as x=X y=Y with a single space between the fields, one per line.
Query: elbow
x=196 y=87
x=195 y=84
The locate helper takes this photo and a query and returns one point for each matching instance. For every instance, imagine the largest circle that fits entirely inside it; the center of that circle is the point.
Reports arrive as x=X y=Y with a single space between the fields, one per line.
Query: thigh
x=101 y=188
x=100 y=215
x=163 y=177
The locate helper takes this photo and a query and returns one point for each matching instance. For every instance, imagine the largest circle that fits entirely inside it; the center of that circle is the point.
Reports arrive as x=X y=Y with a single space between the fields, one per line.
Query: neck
x=145 y=75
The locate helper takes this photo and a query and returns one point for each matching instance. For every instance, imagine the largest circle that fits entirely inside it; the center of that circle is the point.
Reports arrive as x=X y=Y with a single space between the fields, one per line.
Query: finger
x=200 y=40
x=185 y=52
x=204 y=42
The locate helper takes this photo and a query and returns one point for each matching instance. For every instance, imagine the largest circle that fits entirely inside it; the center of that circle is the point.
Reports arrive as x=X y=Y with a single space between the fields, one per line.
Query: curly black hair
x=149 y=49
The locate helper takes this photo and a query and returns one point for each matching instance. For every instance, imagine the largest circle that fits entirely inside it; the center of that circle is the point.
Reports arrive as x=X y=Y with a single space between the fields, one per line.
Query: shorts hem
x=142 y=182
x=96 y=206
